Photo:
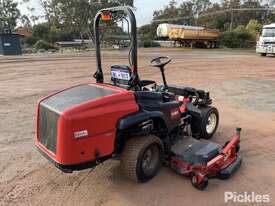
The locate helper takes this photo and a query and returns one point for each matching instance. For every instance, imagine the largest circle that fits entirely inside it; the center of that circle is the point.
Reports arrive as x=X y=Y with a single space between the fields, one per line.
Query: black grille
x=48 y=127
x=266 y=43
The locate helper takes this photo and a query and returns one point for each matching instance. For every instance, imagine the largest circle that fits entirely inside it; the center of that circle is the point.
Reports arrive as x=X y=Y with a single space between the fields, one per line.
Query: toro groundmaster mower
x=138 y=121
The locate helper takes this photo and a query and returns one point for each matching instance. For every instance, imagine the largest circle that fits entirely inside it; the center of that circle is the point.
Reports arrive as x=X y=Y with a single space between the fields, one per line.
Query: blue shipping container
x=10 y=44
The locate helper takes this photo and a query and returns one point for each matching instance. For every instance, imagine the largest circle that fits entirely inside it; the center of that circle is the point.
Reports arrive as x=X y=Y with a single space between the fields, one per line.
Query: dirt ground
x=241 y=84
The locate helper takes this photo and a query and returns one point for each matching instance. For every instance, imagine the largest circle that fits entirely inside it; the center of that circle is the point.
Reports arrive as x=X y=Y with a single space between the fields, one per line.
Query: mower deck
x=193 y=151
x=203 y=159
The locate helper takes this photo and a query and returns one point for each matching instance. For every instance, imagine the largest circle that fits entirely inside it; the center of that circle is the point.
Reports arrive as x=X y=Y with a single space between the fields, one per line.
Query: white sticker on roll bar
x=120 y=75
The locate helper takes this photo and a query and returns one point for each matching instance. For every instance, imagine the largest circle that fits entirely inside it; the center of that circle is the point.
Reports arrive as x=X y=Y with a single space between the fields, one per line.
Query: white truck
x=266 y=43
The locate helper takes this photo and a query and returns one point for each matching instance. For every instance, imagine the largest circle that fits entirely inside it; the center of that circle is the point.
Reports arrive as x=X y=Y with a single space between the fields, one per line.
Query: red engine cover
x=87 y=127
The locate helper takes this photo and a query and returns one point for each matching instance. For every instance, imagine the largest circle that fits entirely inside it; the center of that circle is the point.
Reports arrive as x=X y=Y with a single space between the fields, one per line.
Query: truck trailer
x=266 y=43
x=189 y=36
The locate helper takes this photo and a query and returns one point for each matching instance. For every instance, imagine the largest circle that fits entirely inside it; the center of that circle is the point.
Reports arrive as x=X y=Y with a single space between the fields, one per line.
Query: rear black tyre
x=199 y=185
x=141 y=158
x=209 y=123
x=263 y=54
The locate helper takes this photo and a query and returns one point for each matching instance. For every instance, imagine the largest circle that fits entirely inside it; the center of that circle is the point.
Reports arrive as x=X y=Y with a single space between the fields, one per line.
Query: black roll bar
x=128 y=11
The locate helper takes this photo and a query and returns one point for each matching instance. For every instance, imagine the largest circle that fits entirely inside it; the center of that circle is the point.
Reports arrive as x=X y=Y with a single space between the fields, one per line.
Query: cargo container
x=189 y=36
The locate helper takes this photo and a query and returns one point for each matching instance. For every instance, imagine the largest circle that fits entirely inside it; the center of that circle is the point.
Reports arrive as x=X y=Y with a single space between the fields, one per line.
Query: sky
x=144 y=12
x=145 y=9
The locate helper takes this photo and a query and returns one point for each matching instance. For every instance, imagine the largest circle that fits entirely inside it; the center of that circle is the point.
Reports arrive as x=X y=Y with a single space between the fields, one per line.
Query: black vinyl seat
x=144 y=83
x=156 y=100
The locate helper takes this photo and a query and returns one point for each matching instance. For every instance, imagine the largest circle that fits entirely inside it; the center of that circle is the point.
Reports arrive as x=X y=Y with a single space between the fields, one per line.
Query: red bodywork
x=227 y=157
x=184 y=100
x=99 y=117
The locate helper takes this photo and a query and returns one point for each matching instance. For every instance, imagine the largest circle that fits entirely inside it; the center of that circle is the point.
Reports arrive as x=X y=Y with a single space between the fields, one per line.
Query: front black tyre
x=141 y=158
x=223 y=176
x=209 y=122
x=200 y=185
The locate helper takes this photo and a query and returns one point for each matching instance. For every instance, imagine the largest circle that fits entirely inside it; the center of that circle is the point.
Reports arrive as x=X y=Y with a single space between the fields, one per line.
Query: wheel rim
x=194 y=179
x=211 y=123
x=150 y=159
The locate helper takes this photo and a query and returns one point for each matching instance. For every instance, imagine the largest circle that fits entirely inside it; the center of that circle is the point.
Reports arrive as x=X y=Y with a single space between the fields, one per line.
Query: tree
x=31 y=18
x=186 y=13
x=253 y=26
x=25 y=21
x=76 y=16
x=200 y=6
x=169 y=12
x=216 y=15
x=146 y=32
x=9 y=14
x=42 y=31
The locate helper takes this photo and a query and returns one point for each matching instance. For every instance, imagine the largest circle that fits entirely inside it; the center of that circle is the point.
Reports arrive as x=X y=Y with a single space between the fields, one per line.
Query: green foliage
x=240 y=28
x=169 y=12
x=242 y=36
x=59 y=35
x=215 y=15
x=150 y=43
x=76 y=16
x=70 y=19
x=9 y=14
x=41 y=31
x=46 y=32
x=184 y=13
x=43 y=45
x=237 y=39
x=30 y=41
x=253 y=26
x=147 y=32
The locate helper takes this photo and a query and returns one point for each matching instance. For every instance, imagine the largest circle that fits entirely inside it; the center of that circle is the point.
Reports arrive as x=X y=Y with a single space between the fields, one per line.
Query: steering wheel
x=160 y=61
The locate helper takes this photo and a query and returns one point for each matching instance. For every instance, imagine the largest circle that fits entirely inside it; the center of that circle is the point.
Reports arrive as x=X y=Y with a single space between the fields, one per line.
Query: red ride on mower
x=138 y=121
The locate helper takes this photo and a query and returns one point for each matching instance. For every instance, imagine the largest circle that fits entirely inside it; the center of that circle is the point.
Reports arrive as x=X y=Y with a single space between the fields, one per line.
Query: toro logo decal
x=80 y=134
